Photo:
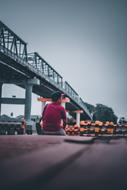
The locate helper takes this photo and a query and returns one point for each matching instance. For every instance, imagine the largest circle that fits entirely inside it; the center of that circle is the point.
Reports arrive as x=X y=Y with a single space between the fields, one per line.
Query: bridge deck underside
x=10 y=72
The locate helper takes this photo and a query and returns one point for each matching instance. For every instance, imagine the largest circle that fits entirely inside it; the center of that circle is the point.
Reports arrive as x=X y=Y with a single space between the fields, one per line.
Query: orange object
x=111 y=123
x=101 y=123
x=110 y=130
x=97 y=129
x=107 y=123
x=78 y=111
x=42 y=99
x=97 y=122
x=82 y=129
x=76 y=126
x=82 y=122
x=65 y=100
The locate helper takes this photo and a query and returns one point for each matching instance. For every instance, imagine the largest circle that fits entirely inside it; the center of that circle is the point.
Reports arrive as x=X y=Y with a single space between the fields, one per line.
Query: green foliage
x=102 y=113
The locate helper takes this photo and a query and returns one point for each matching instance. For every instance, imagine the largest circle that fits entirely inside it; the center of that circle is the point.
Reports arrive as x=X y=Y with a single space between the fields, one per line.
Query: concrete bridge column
x=78 y=114
x=28 y=97
x=1 y=84
x=28 y=100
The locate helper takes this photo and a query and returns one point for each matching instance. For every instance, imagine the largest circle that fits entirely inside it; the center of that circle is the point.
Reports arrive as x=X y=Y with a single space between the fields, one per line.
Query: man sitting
x=54 y=116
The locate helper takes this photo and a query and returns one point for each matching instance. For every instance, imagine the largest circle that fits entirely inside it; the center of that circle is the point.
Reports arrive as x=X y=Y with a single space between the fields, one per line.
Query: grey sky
x=84 y=40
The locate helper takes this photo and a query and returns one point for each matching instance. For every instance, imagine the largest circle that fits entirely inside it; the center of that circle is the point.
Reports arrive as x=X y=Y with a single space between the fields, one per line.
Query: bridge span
x=31 y=72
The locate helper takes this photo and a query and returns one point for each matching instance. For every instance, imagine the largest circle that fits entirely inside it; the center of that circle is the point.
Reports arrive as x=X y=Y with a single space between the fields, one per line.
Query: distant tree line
x=102 y=113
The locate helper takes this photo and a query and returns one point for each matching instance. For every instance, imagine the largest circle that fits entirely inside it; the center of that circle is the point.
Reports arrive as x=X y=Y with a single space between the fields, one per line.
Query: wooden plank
x=78 y=139
x=25 y=169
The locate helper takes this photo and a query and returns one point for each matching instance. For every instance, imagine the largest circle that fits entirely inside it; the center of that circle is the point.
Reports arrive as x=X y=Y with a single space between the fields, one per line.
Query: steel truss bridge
x=32 y=72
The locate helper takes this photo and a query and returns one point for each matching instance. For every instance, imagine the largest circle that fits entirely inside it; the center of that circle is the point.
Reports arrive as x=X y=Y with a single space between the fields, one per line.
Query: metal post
x=0 y=95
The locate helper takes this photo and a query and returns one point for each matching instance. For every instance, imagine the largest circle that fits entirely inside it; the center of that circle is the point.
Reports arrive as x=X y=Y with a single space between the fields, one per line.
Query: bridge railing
x=36 y=61
x=75 y=97
x=82 y=103
x=11 y=44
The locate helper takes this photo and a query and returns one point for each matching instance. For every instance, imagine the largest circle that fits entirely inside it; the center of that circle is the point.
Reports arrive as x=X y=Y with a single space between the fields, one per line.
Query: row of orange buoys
x=96 y=128
x=72 y=130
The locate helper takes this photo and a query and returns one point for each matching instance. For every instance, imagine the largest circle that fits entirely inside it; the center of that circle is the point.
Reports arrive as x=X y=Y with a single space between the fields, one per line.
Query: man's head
x=57 y=97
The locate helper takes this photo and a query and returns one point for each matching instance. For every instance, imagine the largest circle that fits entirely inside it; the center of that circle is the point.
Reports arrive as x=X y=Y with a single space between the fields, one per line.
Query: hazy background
x=84 y=40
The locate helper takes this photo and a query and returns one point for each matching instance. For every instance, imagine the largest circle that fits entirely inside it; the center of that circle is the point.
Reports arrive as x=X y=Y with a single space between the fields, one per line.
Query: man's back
x=52 y=115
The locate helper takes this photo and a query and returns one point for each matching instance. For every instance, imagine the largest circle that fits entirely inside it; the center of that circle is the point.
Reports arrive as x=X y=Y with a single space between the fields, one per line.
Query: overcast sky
x=84 y=40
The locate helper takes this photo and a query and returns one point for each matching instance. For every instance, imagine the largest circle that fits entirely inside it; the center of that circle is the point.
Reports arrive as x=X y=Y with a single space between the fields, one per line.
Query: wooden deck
x=32 y=162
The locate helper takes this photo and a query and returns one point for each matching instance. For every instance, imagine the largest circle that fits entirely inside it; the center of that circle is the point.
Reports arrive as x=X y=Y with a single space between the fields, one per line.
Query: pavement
x=35 y=162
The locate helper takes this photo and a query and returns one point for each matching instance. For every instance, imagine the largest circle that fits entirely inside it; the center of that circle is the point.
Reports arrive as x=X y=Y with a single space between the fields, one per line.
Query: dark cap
x=56 y=95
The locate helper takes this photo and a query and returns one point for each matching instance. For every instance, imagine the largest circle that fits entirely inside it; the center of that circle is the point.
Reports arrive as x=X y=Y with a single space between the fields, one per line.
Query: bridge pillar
x=28 y=97
x=78 y=114
x=1 y=84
